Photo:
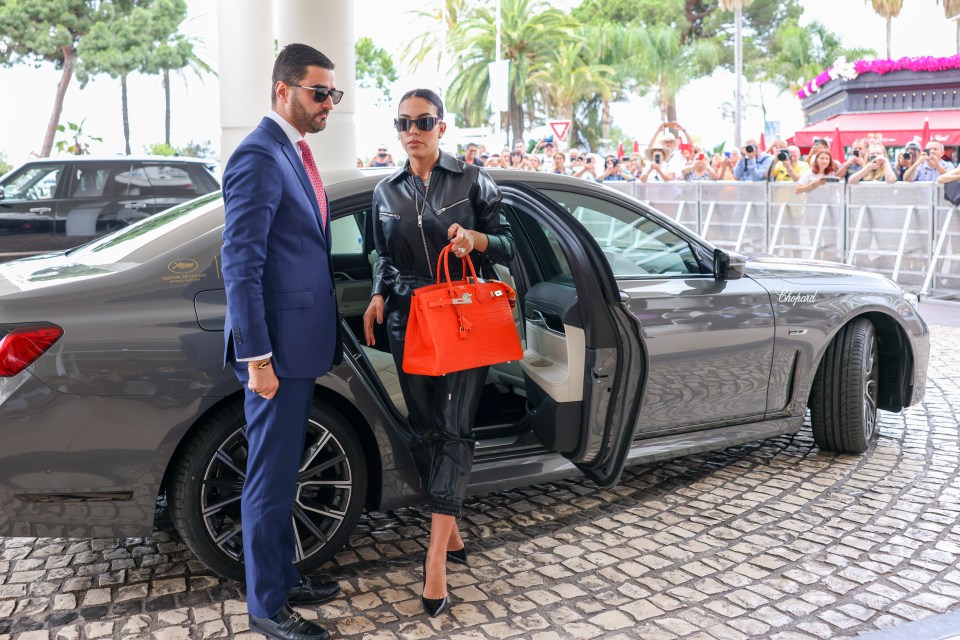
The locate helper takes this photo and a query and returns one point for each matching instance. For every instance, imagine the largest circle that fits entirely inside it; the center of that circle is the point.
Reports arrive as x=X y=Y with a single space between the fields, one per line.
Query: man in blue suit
x=282 y=329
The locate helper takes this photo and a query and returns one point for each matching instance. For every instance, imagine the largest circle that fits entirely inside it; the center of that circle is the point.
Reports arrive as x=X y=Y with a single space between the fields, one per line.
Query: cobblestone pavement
x=771 y=540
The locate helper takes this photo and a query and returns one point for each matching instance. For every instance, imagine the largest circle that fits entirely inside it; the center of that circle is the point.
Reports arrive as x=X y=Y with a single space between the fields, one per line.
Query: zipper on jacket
x=451 y=206
x=423 y=237
x=395 y=216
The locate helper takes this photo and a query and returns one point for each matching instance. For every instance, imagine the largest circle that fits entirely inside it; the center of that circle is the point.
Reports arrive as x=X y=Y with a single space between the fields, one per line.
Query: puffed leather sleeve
x=386 y=271
x=486 y=203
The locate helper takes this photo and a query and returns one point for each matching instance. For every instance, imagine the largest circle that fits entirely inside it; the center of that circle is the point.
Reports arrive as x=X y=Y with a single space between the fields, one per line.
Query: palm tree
x=530 y=31
x=951 y=10
x=803 y=52
x=178 y=53
x=567 y=78
x=436 y=40
x=620 y=48
x=888 y=10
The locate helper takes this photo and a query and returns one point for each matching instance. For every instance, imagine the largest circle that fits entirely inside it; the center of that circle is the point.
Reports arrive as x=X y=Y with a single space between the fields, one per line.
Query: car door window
x=634 y=244
x=91 y=180
x=171 y=180
x=34 y=183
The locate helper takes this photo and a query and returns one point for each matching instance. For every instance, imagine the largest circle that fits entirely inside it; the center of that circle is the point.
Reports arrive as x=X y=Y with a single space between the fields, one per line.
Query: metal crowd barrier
x=906 y=231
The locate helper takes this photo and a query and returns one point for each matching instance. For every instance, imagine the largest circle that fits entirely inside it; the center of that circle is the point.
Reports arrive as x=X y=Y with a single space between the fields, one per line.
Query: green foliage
x=190 y=150
x=5 y=166
x=375 y=68
x=799 y=53
x=77 y=142
x=38 y=31
x=531 y=31
x=161 y=149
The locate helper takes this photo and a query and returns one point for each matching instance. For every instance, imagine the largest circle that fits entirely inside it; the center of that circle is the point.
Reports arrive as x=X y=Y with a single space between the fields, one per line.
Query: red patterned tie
x=315 y=180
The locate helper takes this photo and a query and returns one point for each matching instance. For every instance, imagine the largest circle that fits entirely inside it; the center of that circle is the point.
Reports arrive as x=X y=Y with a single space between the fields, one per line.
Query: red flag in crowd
x=925 y=134
x=836 y=147
x=763 y=142
x=636 y=147
x=620 y=150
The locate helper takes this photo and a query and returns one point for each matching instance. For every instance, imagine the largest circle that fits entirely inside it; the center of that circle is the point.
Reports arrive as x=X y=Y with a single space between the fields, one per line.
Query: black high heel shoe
x=431 y=605
x=458 y=555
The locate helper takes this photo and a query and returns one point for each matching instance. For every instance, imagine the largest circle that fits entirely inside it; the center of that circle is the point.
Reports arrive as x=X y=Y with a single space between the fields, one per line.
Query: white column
x=245 y=29
x=328 y=27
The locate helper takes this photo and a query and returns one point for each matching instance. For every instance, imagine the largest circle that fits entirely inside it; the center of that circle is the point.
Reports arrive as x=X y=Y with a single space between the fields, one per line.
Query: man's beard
x=304 y=120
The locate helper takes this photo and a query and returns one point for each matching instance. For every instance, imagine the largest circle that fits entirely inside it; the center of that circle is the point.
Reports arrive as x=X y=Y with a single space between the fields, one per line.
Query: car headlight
x=913 y=299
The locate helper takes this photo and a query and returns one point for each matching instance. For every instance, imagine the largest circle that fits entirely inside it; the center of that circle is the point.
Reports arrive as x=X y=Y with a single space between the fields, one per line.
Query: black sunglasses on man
x=321 y=93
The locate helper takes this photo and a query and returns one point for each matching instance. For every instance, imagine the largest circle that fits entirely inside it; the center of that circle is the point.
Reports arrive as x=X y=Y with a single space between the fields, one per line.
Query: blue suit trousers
x=276 y=431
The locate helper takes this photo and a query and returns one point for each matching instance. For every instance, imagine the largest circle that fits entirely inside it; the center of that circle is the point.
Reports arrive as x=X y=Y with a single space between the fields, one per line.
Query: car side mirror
x=728 y=265
x=2 y=194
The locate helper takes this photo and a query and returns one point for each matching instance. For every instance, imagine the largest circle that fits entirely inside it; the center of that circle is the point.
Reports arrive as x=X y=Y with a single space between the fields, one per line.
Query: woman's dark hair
x=428 y=95
x=291 y=65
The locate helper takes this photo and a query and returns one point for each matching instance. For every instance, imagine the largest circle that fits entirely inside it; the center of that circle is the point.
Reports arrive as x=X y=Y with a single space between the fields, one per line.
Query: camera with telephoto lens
x=782 y=155
x=749 y=148
x=907 y=155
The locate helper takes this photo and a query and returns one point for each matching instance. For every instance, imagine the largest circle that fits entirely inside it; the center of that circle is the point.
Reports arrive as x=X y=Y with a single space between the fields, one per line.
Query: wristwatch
x=262 y=365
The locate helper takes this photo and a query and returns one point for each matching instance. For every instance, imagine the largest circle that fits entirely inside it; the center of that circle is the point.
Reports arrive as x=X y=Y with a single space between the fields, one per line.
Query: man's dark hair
x=428 y=95
x=291 y=65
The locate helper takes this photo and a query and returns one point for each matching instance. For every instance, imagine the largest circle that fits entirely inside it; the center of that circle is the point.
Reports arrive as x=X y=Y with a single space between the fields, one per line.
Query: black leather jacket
x=459 y=193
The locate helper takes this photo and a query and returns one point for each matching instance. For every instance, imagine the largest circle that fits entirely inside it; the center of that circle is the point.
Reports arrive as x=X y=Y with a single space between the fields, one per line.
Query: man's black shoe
x=288 y=625
x=311 y=591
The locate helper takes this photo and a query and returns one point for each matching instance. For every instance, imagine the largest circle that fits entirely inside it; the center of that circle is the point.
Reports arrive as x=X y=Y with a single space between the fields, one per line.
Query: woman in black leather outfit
x=434 y=200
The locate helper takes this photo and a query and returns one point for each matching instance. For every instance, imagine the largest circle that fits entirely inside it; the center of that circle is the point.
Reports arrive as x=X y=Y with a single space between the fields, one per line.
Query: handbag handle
x=465 y=261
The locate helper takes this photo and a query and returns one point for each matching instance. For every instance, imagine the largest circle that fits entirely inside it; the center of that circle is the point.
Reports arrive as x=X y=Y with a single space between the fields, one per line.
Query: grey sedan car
x=642 y=342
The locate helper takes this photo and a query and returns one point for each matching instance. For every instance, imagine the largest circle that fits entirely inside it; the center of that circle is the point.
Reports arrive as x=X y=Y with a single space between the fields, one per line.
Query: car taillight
x=22 y=344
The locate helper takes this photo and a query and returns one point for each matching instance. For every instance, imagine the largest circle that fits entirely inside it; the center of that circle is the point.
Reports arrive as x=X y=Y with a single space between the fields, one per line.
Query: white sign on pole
x=499 y=96
x=560 y=128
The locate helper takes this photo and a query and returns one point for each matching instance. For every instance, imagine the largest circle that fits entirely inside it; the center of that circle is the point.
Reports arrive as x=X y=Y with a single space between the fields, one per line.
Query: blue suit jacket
x=281 y=297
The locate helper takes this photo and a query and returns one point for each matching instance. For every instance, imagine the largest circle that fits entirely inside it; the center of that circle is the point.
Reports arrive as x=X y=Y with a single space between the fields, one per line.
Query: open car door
x=584 y=364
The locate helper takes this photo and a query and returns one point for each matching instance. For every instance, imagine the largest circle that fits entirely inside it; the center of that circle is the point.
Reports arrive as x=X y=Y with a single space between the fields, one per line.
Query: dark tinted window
x=34 y=182
x=176 y=180
x=102 y=180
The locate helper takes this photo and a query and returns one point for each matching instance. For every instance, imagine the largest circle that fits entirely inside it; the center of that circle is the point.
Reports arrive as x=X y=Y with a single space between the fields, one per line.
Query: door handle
x=137 y=205
x=41 y=210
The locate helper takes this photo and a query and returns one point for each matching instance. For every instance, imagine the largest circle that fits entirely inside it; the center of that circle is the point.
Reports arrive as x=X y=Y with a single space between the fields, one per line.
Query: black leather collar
x=446 y=162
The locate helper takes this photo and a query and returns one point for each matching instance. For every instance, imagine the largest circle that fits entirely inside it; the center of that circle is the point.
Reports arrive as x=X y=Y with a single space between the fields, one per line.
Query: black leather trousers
x=441 y=411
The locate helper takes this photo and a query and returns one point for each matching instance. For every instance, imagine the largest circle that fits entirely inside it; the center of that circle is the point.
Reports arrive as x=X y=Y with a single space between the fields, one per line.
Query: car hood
x=815 y=273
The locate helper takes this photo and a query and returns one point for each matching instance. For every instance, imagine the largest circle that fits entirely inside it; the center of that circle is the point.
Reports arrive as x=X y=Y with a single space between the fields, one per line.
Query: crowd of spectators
x=667 y=160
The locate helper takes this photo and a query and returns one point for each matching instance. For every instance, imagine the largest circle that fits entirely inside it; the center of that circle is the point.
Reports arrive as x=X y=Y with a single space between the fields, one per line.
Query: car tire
x=204 y=492
x=843 y=400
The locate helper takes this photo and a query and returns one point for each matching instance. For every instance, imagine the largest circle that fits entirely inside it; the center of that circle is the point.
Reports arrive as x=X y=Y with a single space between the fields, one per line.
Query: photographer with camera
x=613 y=169
x=856 y=160
x=754 y=165
x=382 y=158
x=876 y=168
x=788 y=167
x=906 y=160
x=929 y=165
x=656 y=169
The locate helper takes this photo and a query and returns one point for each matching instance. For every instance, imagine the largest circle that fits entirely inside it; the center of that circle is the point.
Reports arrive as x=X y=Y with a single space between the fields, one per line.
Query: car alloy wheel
x=331 y=489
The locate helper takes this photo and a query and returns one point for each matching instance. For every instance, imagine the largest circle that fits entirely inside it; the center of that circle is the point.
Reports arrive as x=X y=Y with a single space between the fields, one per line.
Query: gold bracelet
x=262 y=365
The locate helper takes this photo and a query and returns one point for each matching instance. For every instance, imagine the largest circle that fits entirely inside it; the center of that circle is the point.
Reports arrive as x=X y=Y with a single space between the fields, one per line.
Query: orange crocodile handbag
x=460 y=325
